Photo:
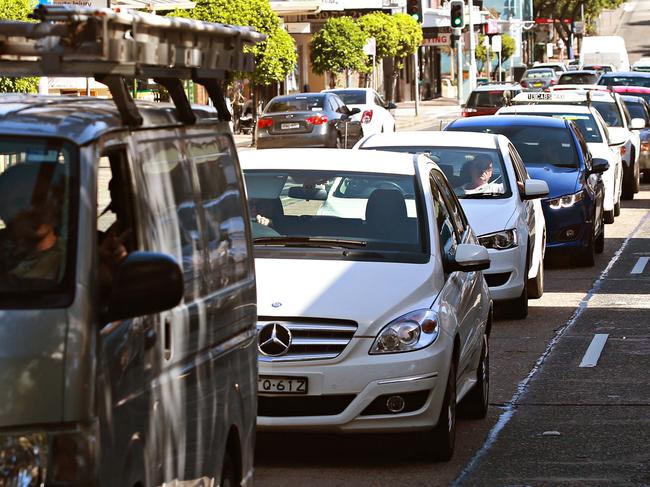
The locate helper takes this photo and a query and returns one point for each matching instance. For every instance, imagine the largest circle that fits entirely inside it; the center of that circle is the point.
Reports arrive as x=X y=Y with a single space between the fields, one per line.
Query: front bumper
x=505 y=277
x=354 y=381
x=569 y=228
x=319 y=137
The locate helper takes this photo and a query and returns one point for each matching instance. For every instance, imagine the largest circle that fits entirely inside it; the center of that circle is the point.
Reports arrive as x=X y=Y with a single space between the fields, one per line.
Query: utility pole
x=472 y=47
x=416 y=77
x=459 y=67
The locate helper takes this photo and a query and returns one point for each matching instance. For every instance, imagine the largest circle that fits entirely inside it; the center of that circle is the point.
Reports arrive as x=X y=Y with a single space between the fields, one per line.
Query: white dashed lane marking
x=592 y=354
x=639 y=267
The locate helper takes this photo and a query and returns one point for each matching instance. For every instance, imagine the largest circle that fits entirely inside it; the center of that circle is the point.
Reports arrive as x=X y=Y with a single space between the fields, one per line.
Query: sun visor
x=264 y=186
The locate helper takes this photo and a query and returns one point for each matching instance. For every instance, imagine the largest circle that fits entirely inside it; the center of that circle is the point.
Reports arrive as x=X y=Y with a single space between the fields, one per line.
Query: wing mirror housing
x=637 y=124
x=468 y=258
x=535 y=188
x=599 y=166
x=354 y=111
x=144 y=283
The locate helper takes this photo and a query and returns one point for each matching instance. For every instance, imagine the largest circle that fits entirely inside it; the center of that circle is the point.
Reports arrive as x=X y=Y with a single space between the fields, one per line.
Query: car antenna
x=113 y=45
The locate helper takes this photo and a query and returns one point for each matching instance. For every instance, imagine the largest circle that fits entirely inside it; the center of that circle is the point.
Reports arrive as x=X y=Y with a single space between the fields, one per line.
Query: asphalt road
x=551 y=422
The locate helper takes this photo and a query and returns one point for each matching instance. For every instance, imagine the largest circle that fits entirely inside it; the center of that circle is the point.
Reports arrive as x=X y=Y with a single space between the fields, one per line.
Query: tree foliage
x=383 y=28
x=275 y=57
x=17 y=10
x=410 y=37
x=338 y=46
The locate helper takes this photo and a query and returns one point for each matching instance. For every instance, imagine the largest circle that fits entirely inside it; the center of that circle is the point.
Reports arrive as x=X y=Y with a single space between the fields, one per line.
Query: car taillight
x=524 y=83
x=468 y=112
x=264 y=123
x=645 y=146
x=623 y=150
x=317 y=120
x=366 y=117
x=553 y=81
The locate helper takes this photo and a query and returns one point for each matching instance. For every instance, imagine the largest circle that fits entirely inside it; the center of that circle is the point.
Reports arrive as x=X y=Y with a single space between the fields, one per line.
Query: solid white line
x=595 y=349
x=640 y=265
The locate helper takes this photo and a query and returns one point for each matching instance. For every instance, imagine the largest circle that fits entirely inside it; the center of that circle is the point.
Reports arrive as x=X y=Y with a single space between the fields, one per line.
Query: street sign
x=77 y=3
x=439 y=40
x=492 y=27
x=578 y=28
x=496 y=43
x=370 y=47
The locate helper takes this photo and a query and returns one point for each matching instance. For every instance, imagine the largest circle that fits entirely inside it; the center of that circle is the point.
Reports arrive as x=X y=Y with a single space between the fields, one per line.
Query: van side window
x=221 y=196
x=175 y=226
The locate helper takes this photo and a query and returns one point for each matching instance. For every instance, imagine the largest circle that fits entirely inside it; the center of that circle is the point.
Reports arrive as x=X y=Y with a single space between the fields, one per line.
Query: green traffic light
x=456 y=21
x=416 y=17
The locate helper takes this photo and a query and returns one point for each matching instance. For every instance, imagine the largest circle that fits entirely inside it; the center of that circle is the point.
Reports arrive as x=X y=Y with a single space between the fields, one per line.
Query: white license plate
x=289 y=126
x=271 y=384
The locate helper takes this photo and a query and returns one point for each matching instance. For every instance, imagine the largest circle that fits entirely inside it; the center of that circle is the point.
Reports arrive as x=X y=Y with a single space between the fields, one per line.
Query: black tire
x=608 y=216
x=476 y=402
x=586 y=257
x=617 y=208
x=637 y=175
x=517 y=309
x=536 y=285
x=438 y=444
x=646 y=176
x=628 y=183
x=599 y=244
x=229 y=477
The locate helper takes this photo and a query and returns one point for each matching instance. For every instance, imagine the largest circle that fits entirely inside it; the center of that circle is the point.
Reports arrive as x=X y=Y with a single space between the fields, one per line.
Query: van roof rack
x=112 y=45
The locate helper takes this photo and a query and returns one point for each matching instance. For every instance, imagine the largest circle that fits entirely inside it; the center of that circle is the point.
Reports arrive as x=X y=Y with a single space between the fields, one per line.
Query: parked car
x=629 y=78
x=582 y=77
x=639 y=108
x=538 y=79
x=127 y=295
x=307 y=120
x=374 y=113
x=642 y=64
x=595 y=132
x=397 y=359
x=502 y=205
x=487 y=99
x=555 y=151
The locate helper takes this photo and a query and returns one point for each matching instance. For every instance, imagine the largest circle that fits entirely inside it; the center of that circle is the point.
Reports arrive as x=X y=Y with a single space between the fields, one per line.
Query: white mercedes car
x=375 y=114
x=596 y=134
x=373 y=321
x=504 y=209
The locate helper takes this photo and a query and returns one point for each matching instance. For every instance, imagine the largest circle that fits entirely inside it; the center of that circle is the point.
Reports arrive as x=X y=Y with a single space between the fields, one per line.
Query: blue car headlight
x=566 y=201
x=413 y=331
x=506 y=239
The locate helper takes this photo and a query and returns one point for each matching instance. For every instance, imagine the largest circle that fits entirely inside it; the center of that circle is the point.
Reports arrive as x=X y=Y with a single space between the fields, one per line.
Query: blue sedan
x=555 y=151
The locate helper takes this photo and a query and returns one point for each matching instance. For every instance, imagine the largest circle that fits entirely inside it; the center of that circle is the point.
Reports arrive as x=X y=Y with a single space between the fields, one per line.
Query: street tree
x=337 y=48
x=17 y=10
x=409 y=39
x=383 y=28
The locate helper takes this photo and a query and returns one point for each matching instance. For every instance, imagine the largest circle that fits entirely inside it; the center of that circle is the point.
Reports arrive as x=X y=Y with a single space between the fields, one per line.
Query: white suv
x=375 y=319
x=503 y=206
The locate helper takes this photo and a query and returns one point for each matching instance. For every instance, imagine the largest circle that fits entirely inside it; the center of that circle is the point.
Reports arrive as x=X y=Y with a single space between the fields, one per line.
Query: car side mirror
x=614 y=143
x=468 y=258
x=535 y=188
x=390 y=106
x=144 y=283
x=354 y=111
x=598 y=165
x=637 y=124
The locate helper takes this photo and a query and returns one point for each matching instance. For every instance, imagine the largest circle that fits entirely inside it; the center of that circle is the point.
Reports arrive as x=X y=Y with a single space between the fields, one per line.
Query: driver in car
x=479 y=171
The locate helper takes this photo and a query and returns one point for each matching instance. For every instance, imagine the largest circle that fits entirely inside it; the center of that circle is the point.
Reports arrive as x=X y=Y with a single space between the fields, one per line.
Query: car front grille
x=278 y=407
x=311 y=339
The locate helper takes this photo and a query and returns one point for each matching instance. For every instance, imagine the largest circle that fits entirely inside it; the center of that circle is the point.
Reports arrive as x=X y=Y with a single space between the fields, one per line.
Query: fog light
x=570 y=233
x=395 y=404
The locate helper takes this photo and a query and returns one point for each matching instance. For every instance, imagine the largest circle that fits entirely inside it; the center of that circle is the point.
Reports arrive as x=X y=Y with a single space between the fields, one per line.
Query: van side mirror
x=468 y=258
x=598 y=165
x=535 y=188
x=637 y=124
x=144 y=283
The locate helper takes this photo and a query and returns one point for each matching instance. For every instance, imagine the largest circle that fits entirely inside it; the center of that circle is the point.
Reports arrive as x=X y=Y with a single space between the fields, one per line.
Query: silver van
x=127 y=290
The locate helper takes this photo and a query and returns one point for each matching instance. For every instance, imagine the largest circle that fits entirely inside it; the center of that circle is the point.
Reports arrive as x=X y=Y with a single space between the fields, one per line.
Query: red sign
x=439 y=40
x=544 y=20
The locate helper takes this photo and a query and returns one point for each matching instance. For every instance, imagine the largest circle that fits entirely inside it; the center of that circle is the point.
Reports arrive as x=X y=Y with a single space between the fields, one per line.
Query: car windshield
x=296 y=104
x=376 y=214
x=585 y=122
x=35 y=207
x=539 y=74
x=487 y=98
x=535 y=144
x=616 y=80
x=610 y=113
x=473 y=173
x=577 y=79
x=352 y=97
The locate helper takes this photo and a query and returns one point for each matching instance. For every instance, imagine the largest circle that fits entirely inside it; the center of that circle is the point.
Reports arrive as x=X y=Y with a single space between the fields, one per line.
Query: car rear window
x=352 y=97
x=577 y=79
x=616 y=80
x=636 y=109
x=539 y=74
x=486 y=98
x=296 y=104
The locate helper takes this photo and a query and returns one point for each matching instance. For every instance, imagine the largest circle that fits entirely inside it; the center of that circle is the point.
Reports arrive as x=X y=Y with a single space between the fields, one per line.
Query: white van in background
x=605 y=50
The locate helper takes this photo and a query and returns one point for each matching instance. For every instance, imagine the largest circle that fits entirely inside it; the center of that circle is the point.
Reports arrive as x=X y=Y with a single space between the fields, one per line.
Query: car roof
x=540 y=68
x=431 y=137
x=630 y=89
x=508 y=120
x=381 y=162
x=546 y=108
x=81 y=119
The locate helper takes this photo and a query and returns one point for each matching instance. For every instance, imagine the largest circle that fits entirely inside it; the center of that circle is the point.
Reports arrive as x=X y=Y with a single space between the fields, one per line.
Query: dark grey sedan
x=581 y=77
x=538 y=79
x=639 y=108
x=307 y=120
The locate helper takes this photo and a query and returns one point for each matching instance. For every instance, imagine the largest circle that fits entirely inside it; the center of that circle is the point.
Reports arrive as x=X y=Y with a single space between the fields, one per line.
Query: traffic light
x=457 y=14
x=414 y=9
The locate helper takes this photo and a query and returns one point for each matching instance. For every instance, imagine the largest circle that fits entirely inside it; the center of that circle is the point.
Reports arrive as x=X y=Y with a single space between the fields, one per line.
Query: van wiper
x=334 y=243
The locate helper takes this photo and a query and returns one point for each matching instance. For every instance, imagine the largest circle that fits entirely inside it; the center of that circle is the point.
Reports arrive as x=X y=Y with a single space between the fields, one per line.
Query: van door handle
x=150 y=338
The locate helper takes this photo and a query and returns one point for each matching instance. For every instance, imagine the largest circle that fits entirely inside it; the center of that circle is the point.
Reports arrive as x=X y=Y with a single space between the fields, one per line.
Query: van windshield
x=366 y=215
x=35 y=215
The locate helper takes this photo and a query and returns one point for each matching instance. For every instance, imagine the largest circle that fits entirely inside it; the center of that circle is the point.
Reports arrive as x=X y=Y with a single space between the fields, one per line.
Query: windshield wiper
x=334 y=243
x=476 y=196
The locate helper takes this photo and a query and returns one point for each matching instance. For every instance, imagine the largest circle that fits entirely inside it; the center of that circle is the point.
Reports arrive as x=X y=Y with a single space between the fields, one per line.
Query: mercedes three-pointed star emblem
x=273 y=340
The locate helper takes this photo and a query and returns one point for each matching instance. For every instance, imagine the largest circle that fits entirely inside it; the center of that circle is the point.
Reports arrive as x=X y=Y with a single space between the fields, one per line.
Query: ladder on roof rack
x=112 y=45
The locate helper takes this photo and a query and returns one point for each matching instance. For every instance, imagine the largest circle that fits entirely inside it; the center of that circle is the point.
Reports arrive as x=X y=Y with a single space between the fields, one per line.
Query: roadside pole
x=472 y=47
x=416 y=81
x=459 y=64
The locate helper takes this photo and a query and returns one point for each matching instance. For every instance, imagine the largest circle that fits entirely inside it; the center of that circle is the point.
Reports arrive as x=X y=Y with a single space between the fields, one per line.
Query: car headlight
x=566 y=201
x=407 y=333
x=506 y=239
x=35 y=458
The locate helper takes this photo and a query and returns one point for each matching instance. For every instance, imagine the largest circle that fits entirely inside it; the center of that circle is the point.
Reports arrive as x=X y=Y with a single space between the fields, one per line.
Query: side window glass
x=581 y=140
x=448 y=238
x=221 y=197
x=455 y=210
x=520 y=169
x=175 y=219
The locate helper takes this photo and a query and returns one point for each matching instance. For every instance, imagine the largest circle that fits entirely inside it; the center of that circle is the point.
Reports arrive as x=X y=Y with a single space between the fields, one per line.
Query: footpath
x=582 y=417
x=432 y=115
